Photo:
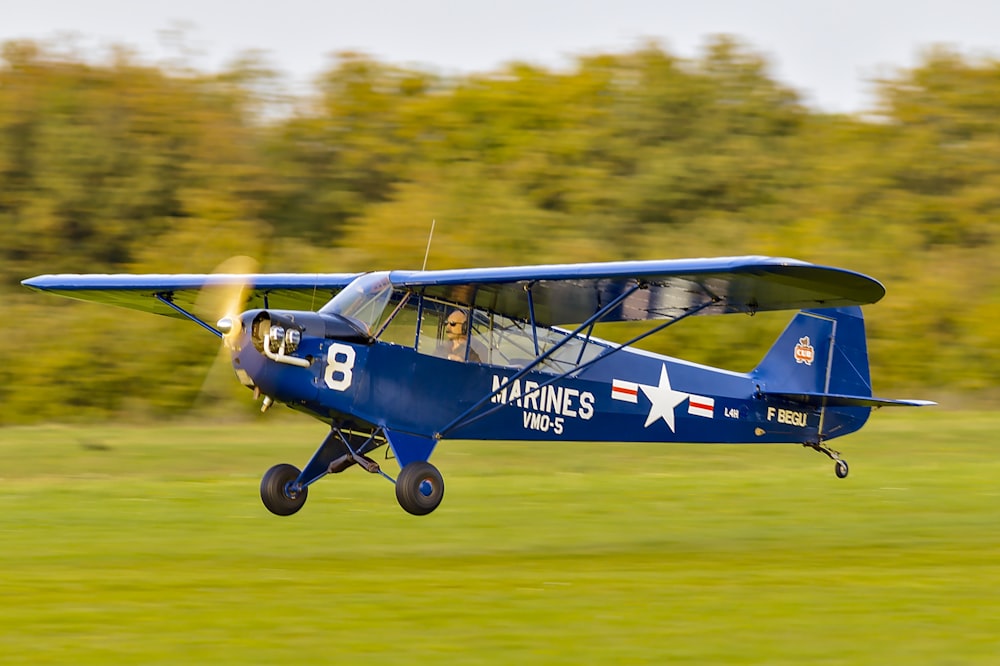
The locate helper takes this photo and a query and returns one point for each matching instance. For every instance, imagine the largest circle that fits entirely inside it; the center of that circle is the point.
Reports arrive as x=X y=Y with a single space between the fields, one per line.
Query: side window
x=575 y=352
x=514 y=346
x=454 y=331
x=513 y=342
x=401 y=328
x=432 y=325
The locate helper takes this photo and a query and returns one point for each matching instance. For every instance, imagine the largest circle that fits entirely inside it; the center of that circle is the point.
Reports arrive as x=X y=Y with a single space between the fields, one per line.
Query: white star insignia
x=663 y=400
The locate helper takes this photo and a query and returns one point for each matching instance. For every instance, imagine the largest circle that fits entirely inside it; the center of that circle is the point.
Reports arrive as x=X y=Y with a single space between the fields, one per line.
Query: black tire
x=841 y=469
x=274 y=493
x=419 y=488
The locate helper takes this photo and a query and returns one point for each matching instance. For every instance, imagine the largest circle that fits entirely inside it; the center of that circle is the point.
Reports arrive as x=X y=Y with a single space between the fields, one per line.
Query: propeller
x=224 y=302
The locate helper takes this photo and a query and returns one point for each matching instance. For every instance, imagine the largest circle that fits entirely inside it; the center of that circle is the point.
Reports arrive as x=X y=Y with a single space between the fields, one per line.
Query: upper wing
x=571 y=293
x=556 y=293
x=286 y=291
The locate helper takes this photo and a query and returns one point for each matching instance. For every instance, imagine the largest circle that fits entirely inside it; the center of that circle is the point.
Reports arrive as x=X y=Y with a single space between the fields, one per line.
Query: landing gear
x=419 y=488
x=279 y=491
x=840 y=467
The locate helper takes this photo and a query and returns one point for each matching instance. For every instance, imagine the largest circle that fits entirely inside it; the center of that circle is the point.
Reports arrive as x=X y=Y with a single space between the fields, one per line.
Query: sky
x=828 y=51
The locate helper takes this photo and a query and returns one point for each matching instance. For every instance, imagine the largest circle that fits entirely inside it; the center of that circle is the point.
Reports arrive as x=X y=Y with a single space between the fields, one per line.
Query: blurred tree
x=98 y=160
x=345 y=150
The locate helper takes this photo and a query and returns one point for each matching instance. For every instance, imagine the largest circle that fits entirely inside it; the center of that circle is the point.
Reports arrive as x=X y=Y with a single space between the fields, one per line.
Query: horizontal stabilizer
x=836 y=400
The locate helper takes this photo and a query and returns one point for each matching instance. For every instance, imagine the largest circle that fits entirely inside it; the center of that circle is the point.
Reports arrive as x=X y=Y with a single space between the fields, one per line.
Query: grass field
x=127 y=545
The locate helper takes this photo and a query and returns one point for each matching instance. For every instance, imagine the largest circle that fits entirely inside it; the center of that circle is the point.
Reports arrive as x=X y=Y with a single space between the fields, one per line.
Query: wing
x=286 y=291
x=557 y=294
x=570 y=293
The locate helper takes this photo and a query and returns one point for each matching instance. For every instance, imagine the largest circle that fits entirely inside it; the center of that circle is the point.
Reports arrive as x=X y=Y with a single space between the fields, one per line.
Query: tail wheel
x=419 y=488
x=277 y=492
x=841 y=469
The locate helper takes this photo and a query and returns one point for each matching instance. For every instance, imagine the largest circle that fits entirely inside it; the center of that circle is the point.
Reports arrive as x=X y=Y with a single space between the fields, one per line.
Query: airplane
x=405 y=358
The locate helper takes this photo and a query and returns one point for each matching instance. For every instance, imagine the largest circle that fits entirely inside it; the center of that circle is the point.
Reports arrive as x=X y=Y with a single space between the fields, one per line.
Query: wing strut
x=187 y=315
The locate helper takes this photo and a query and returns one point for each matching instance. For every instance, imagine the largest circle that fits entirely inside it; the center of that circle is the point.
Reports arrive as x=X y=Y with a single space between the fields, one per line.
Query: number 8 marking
x=343 y=366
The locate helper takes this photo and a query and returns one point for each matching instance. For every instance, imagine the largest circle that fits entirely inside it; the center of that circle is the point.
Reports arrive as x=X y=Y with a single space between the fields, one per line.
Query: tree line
x=125 y=166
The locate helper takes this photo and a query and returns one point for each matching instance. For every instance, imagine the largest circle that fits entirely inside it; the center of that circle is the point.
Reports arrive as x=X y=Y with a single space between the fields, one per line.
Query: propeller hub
x=225 y=325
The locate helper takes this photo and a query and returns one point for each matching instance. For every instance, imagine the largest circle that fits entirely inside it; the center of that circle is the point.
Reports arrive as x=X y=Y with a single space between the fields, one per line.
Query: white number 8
x=343 y=366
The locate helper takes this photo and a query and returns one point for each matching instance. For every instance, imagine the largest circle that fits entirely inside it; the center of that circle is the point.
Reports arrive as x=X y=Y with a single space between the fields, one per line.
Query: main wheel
x=419 y=488
x=276 y=493
x=841 y=469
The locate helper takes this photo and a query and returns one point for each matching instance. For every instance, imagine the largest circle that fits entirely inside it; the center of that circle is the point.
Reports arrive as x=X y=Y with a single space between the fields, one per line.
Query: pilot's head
x=456 y=326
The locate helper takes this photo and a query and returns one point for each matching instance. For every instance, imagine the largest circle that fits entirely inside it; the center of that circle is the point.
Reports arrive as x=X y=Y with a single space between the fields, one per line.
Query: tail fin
x=821 y=359
x=821 y=351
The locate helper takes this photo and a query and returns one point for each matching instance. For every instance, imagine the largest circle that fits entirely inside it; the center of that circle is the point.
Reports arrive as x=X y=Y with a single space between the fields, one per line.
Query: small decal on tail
x=804 y=352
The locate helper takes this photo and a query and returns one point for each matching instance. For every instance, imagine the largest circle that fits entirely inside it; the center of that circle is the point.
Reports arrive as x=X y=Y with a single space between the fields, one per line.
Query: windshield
x=363 y=300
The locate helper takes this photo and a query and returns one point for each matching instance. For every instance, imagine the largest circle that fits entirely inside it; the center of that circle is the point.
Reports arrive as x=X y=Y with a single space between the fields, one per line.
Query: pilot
x=456 y=332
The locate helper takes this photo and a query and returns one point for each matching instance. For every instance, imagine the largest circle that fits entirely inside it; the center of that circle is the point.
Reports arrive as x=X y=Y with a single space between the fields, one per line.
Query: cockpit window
x=421 y=321
x=499 y=340
x=363 y=300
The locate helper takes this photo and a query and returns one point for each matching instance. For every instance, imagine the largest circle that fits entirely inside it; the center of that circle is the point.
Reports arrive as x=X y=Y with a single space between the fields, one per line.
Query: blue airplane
x=408 y=358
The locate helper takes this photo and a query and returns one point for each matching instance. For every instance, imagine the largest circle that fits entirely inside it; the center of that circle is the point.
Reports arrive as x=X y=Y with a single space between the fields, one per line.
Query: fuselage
x=627 y=395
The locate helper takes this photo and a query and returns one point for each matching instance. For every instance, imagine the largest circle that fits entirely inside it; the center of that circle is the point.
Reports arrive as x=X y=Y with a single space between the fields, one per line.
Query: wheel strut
x=840 y=467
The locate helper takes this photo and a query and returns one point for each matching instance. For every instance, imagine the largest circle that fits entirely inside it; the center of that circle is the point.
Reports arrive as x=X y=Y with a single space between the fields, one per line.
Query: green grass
x=150 y=546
